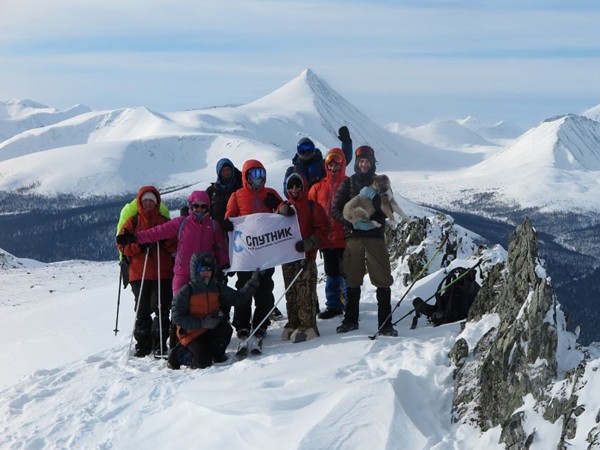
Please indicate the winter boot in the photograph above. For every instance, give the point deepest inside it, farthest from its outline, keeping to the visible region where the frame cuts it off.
(143, 339)
(173, 361)
(384, 312)
(350, 321)
(160, 351)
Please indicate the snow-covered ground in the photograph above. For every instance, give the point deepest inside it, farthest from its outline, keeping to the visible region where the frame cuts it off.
(67, 382)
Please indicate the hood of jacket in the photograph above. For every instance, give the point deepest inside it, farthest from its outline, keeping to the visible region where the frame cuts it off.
(201, 258)
(251, 164)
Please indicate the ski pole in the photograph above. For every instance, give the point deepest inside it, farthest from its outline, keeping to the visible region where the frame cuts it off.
(160, 323)
(439, 249)
(116, 330)
(274, 306)
(441, 291)
(137, 303)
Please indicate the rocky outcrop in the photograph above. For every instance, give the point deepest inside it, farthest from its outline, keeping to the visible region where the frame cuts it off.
(516, 358)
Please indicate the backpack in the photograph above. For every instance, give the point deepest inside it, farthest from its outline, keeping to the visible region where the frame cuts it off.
(453, 299)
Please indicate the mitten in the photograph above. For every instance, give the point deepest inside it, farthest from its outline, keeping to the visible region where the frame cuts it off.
(228, 225)
(363, 225)
(368, 192)
(184, 211)
(286, 210)
(271, 201)
(128, 237)
(344, 134)
(305, 245)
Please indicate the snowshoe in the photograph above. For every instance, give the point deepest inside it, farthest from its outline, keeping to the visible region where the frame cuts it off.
(255, 345)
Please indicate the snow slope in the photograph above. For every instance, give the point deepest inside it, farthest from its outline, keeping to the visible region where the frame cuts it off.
(67, 381)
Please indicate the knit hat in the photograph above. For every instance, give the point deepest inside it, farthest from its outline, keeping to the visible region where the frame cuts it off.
(149, 196)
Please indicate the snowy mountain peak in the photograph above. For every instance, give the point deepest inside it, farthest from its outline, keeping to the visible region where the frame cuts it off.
(593, 113)
(567, 142)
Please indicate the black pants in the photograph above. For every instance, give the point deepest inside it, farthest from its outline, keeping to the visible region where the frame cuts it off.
(263, 301)
(332, 261)
(210, 346)
(147, 330)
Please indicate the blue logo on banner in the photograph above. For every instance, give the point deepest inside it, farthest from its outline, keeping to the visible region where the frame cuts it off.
(237, 242)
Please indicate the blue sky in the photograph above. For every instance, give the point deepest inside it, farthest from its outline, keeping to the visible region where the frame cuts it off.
(403, 61)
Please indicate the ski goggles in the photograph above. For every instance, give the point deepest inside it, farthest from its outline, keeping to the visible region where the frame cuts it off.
(305, 147)
(333, 158)
(365, 151)
(257, 172)
(205, 269)
(200, 206)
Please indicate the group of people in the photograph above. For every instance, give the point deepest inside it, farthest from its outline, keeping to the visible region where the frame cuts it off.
(193, 286)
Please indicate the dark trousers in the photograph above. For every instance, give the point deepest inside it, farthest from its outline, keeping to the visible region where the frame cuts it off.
(210, 346)
(263, 302)
(147, 330)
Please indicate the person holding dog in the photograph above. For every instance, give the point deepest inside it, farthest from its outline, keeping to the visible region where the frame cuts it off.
(364, 242)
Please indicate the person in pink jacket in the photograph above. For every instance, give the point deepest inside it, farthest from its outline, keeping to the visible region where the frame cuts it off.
(196, 232)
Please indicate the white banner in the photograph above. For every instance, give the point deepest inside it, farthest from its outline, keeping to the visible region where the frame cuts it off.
(263, 240)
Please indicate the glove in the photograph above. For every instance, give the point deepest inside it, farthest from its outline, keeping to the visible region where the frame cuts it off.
(271, 201)
(368, 192)
(305, 245)
(254, 281)
(128, 237)
(184, 211)
(210, 322)
(344, 134)
(286, 210)
(363, 225)
(228, 225)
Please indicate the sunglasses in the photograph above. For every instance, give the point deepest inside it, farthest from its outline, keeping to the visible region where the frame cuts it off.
(257, 172)
(201, 206)
(204, 269)
(294, 186)
(364, 152)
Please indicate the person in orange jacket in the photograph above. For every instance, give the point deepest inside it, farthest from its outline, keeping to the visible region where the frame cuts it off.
(253, 197)
(146, 329)
(332, 247)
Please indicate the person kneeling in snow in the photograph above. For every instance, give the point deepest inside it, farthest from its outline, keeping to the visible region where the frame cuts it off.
(202, 332)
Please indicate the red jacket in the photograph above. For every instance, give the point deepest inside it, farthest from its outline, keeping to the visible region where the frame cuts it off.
(323, 193)
(312, 220)
(248, 200)
(146, 220)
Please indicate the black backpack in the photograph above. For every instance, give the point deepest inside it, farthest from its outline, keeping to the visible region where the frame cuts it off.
(453, 299)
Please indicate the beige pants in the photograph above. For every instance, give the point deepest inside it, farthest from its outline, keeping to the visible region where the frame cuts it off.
(370, 254)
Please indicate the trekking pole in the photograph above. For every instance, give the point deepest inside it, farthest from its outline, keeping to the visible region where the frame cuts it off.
(116, 330)
(137, 303)
(441, 291)
(273, 308)
(160, 323)
(439, 249)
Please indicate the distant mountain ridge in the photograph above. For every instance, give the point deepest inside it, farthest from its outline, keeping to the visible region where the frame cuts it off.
(171, 149)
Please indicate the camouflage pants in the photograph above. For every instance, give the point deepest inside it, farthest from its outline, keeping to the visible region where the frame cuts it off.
(301, 300)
